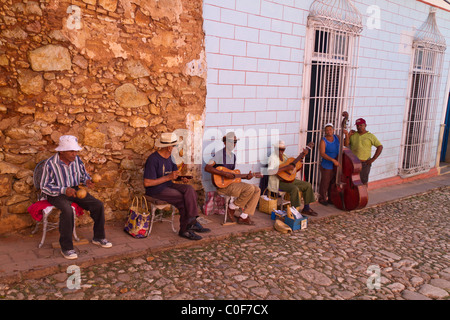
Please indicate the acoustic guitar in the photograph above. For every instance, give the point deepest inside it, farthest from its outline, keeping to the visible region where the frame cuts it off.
(222, 182)
(289, 175)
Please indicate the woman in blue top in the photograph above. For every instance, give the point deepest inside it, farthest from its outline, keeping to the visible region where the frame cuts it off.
(329, 151)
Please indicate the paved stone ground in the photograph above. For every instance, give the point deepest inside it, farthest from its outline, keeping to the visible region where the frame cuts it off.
(397, 250)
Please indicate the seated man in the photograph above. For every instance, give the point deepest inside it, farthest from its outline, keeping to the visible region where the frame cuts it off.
(61, 176)
(246, 195)
(160, 172)
(276, 165)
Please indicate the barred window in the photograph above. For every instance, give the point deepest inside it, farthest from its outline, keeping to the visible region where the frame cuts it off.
(420, 118)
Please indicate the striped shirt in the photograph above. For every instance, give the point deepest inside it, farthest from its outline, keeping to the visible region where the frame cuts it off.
(58, 176)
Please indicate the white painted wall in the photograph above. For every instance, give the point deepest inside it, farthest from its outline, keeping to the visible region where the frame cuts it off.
(255, 57)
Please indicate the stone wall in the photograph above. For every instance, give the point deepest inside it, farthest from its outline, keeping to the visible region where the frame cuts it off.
(114, 73)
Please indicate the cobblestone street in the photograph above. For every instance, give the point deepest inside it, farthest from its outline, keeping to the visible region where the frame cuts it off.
(397, 250)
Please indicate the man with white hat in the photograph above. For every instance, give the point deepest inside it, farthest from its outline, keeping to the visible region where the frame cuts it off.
(277, 164)
(62, 174)
(159, 173)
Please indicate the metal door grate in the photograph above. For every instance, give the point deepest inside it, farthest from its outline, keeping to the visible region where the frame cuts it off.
(330, 74)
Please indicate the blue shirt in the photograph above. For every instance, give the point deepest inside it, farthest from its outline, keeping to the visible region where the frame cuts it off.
(156, 167)
(331, 150)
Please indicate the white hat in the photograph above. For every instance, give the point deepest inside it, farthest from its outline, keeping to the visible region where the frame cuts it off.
(329, 125)
(68, 143)
(167, 139)
(279, 145)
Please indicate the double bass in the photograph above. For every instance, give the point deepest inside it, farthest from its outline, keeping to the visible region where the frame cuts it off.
(349, 193)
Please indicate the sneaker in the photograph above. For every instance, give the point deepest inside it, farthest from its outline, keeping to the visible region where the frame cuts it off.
(69, 254)
(190, 235)
(102, 243)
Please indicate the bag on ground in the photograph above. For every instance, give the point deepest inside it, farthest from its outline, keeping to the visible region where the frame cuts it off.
(139, 218)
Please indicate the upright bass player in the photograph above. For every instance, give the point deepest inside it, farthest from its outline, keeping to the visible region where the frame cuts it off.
(348, 193)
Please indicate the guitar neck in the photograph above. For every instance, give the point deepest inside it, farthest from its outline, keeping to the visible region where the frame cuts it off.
(300, 157)
(240, 175)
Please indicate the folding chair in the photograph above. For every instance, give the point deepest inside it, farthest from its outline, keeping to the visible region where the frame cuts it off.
(227, 202)
(156, 204)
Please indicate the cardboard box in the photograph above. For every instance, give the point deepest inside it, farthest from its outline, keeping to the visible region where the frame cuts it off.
(296, 224)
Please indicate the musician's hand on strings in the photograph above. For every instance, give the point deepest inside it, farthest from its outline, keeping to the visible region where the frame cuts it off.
(289, 167)
(305, 151)
(249, 175)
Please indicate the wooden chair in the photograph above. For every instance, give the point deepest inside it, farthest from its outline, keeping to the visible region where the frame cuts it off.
(282, 201)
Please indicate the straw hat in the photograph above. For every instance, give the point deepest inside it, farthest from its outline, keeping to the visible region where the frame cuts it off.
(167, 139)
(280, 145)
(68, 143)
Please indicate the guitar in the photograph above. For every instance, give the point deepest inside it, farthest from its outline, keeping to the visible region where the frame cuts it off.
(289, 176)
(222, 182)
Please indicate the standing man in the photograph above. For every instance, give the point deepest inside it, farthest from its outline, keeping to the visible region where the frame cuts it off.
(159, 174)
(62, 175)
(361, 142)
(246, 195)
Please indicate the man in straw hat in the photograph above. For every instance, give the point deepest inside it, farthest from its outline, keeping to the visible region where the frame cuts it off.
(245, 195)
(159, 174)
(277, 164)
(361, 142)
(62, 174)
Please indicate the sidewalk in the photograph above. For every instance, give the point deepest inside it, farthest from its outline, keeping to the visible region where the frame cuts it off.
(20, 258)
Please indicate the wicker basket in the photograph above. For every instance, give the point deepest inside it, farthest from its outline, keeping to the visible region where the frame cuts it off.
(267, 206)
